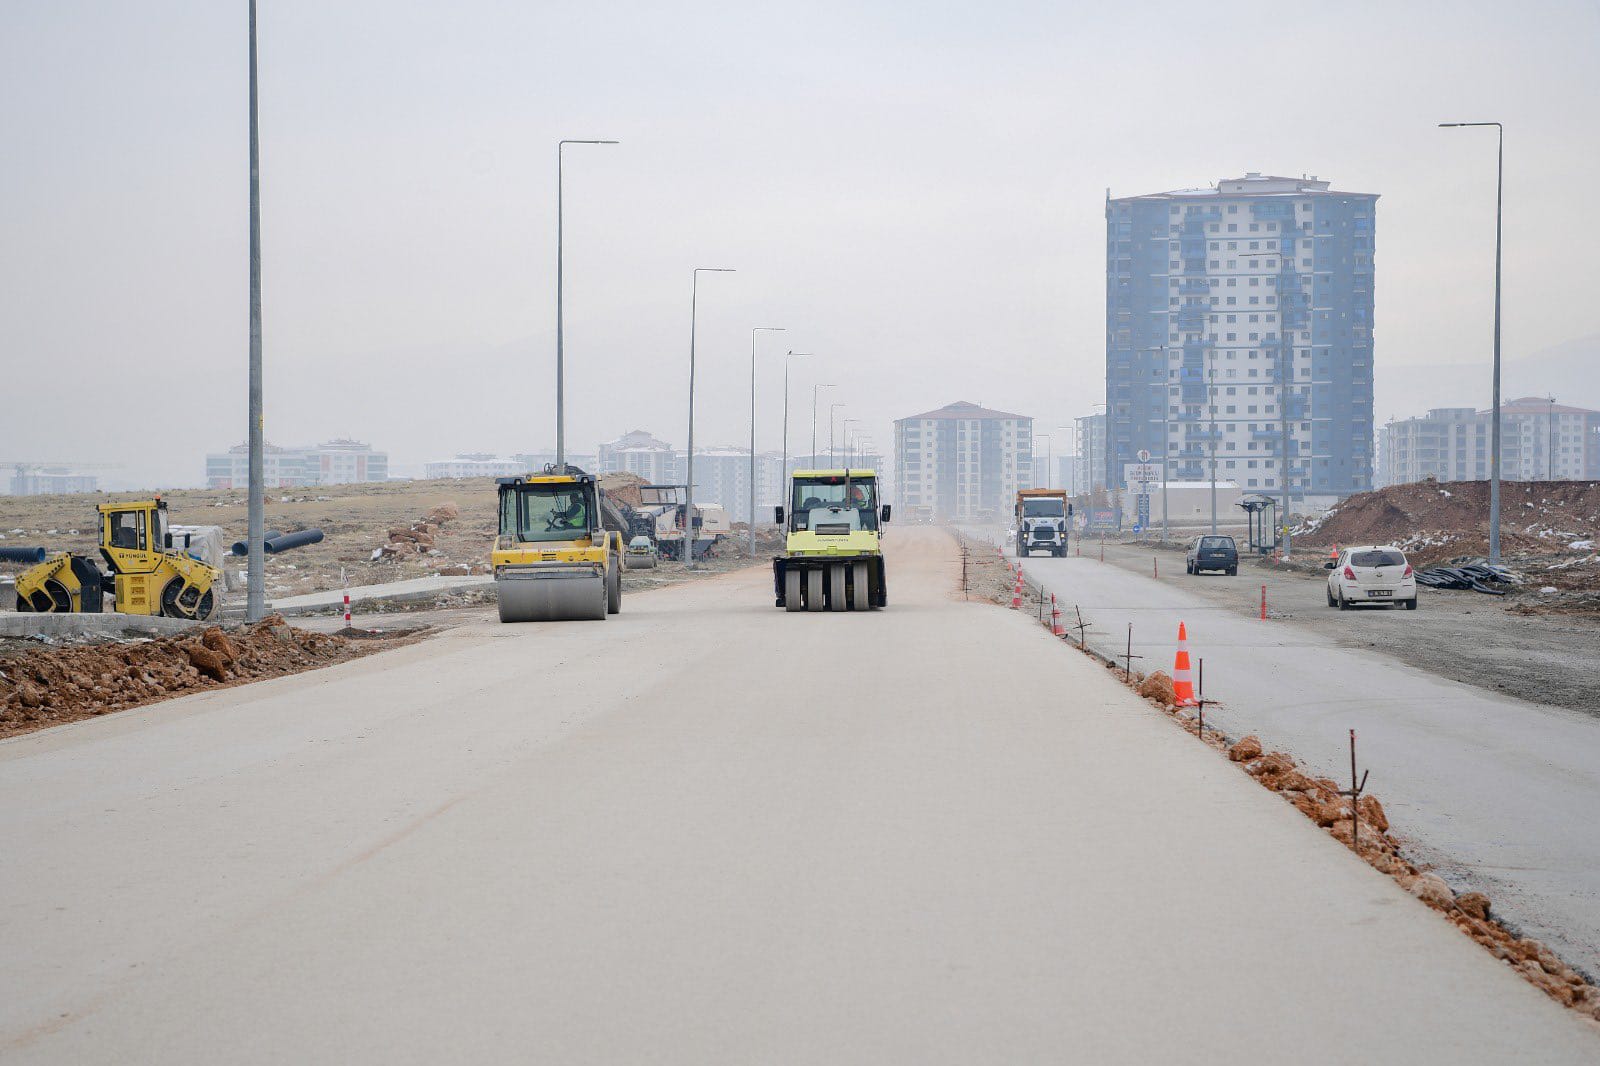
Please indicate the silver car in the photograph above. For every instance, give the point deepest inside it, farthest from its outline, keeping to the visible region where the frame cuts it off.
(1371, 573)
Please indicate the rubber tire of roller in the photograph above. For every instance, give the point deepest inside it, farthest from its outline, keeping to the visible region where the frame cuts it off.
(861, 594)
(836, 598)
(813, 590)
(614, 587)
(791, 591)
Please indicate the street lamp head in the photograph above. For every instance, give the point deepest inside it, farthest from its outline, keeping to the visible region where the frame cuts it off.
(571, 141)
(1448, 125)
(769, 329)
(716, 270)
(798, 355)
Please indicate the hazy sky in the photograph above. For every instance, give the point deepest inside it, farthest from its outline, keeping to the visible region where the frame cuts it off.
(914, 189)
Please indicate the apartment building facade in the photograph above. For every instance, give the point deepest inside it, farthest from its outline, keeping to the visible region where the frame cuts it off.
(962, 461)
(334, 462)
(1540, 440)
(1240, 316)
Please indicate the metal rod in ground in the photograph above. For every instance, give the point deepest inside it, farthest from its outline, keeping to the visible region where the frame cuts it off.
(1127, 671)
(1356, 788)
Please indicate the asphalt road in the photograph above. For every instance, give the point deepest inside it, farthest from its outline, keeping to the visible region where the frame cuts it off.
(706, 831)
(1499, 793)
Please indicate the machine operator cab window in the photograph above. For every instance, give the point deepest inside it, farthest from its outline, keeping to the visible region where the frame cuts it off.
(827, 502)
(127, 530)
(544, 512)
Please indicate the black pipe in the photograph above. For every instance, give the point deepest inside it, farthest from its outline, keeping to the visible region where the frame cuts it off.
(242, 548)
(22, 555)
(285, 541)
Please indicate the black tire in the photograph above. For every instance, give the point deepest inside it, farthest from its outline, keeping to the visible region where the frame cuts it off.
(1233, 571)
(60, 598)
(1344, 604)
(860, 587)
(793, 600)
(836, 590)
(207, 607)
(814, 590)
(1411, 604)
(614, 586)
(1331, 601)
(1188, 567)
(23, 606)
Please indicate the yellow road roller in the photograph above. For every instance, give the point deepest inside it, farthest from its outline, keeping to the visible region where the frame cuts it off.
(554, 560)
(148, 575)
(833, 554)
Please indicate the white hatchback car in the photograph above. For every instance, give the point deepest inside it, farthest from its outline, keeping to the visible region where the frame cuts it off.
(1371, 573)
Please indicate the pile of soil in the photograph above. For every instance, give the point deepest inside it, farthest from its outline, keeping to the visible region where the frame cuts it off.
(51, 686)
(623, 487)
(1436, 521)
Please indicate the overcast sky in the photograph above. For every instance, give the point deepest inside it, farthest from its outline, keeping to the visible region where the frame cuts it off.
(914, 189)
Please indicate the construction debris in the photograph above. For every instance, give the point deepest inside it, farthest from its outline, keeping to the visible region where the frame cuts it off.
(41, 687)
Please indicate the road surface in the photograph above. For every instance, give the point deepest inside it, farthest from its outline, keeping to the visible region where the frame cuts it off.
(1495, 791)
(707, 831)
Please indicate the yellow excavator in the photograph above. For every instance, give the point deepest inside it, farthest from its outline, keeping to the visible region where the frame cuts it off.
(554, 558)
(148, 576)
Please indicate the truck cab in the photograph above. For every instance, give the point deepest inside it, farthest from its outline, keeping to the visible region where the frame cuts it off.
(1043, 521)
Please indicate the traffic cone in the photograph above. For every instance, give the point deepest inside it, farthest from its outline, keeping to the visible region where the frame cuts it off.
(1016, 592)
(1182, 676)
(1055, 617)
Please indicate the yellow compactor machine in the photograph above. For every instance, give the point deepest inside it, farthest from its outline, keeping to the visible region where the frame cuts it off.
(554, 560)
(833, 554)
(148, 576)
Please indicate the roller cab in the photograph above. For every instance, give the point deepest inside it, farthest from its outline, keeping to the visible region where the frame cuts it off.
(833, 555)
(553, 559)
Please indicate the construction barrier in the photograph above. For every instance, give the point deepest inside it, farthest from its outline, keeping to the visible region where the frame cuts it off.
(1182, 675)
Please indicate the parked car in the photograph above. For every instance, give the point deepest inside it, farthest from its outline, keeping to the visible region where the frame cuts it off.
(1371, 573)
(641, 554)
(1212, 553)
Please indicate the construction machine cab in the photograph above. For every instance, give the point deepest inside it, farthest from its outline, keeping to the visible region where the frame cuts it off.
(548, 509)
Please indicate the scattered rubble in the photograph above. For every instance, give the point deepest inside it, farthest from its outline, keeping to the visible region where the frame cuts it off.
(50, 686)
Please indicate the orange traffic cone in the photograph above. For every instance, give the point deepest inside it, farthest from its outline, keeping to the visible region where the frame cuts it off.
(1182, 676)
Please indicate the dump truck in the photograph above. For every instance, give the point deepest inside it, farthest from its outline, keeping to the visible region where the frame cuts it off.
(1043, 520)
(147, 574)
(555, 559)
(833, 555)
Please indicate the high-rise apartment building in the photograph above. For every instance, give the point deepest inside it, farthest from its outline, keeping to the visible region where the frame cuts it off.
(1089, 472)
(638, 452)
(1248, 307)
(962, 461)
(1540, 440)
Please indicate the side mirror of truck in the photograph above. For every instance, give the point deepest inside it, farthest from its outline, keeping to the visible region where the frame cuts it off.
(778, 511)
(1329, 565)
(886, 507)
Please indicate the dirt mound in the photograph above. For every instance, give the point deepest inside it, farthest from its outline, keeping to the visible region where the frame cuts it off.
(623, 487)
(56, 685)
(1435, 521)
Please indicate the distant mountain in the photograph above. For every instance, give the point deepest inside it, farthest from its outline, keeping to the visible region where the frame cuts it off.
(1569, 371)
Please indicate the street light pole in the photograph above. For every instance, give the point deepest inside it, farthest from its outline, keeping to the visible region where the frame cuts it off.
(561, 365)
(255, 582)
(1211, 404)
(832, 407)
(814, 389)
(1494, 458)
(844, 427)
(688, 492)
(753, 332)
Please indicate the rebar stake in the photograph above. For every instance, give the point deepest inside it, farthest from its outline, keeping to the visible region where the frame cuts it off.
(1354, 792)
(1127, 671)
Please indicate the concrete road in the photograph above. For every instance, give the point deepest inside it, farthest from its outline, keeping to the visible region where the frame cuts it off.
(708, 832)
(1495, 791)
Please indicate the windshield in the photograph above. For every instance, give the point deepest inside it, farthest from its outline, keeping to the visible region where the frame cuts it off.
(827, 497)
(1378, 558)
(1043, 508)
(544, 512)
(1217, 542)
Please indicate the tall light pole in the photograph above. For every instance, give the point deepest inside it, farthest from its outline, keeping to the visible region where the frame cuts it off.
(783, 479)
(832, 407)
(844, 429)
(1049, 456)
(688, 492)
(1494, 448)
(1166, 431)
(753, 332)
(561, 366)
(814, 389)
(255, 582)
(1550, 442)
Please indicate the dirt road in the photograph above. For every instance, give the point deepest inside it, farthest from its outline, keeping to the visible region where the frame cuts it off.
(708, 831)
